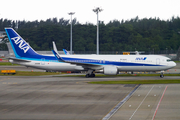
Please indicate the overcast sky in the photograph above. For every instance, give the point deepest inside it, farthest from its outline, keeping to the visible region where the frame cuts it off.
(31, 10)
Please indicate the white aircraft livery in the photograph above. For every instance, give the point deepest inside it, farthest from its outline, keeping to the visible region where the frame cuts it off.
(109, 64)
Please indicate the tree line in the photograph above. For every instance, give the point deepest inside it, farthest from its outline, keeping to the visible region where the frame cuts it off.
(136, 34)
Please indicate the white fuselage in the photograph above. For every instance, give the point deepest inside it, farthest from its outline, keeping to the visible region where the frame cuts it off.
(122, 62)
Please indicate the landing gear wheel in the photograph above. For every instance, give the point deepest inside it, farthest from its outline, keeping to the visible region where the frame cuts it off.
(92, 75)
(162, 76)
(87, 75)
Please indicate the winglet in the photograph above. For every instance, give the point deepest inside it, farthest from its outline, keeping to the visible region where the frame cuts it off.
(57, 56)
(66, 52)
(54, 47)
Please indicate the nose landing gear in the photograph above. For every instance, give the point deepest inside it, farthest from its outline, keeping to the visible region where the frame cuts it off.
(162, 74)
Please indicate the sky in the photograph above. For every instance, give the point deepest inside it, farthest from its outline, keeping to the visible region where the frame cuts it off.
(31, 10)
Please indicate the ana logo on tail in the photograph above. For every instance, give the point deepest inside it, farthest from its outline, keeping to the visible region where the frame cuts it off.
(22, 44)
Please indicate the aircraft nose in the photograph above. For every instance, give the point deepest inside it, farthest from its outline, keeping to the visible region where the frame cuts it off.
(173, 64)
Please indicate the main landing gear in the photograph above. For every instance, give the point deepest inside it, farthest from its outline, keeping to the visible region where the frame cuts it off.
(90, 74)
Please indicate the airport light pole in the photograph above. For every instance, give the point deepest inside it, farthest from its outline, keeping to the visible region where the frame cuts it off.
(71, 13)
(97, 10)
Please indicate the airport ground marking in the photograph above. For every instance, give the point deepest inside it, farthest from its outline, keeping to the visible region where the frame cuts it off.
(9, 83)
(159, 104)
(4, 79)
(163, 81)
(141, 103)
(116, 108)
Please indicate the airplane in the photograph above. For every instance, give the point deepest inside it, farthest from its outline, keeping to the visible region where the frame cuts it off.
(110, 64)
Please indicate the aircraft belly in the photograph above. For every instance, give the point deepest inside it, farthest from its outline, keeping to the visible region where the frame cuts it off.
(59, 67)
(142, 68)
(51, 66)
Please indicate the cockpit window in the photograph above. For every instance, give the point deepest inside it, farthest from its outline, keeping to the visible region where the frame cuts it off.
(168, 60)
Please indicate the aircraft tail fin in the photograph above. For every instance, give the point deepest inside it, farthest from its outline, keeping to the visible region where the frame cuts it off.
(66, 52)
(20, 47)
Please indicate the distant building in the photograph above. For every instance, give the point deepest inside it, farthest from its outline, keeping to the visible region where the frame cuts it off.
(2, 35)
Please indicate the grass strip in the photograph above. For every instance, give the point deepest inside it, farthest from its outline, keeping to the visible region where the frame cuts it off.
(137, 82)
(28, 73)
(8, 64)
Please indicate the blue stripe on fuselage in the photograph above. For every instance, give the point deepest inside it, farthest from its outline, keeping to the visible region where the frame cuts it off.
(95, 62)
(104, 62)
(88, 61)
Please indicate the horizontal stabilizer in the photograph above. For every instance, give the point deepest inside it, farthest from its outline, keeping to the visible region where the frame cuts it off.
(20, 60)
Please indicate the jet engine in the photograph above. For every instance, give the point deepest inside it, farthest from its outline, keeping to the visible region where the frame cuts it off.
(110, 70)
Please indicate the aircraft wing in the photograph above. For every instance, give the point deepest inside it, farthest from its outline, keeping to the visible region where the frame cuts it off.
(84, 65)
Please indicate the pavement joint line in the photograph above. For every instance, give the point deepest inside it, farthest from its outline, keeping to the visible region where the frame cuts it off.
(141, 102)
(159, 103)
(116, 108)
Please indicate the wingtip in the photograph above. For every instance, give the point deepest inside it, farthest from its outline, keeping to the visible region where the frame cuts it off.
(8, 28)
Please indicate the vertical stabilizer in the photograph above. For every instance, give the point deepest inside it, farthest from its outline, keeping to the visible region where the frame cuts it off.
(20, 47)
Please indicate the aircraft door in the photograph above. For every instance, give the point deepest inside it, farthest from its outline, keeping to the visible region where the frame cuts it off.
(42, 61)
(157, 61)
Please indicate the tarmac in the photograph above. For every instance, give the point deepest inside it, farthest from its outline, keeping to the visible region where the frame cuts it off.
(151, 102)
(72, 98)
(47, 97)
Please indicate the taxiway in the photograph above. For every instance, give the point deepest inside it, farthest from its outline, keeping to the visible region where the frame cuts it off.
(47, 97)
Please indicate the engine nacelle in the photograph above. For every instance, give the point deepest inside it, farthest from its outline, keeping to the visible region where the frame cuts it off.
(110, 70)
(11, 61)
